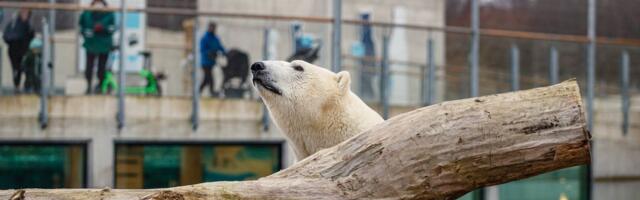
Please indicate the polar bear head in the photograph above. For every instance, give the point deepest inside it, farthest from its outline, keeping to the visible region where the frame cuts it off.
(312, 106)
(299, 84)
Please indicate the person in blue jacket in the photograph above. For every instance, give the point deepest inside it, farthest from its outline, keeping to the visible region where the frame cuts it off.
(210, 47)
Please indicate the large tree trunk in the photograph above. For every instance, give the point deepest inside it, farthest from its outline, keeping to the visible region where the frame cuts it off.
(437, 152)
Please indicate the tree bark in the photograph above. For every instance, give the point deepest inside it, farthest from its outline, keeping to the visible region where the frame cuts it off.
(437, 152)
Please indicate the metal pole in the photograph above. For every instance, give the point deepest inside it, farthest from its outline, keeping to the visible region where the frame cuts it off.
(44, 80)
(625, 91)
(336, 53)
(384, 77)
(266, 55)
(52, 26)
(293, 33)
(475, 44)
(195, 97)
(591, 59)
(1, 67)
(515, 67)
(78, 44)
(591, 78)
(121, 75)
(432, 73)
(553, 65)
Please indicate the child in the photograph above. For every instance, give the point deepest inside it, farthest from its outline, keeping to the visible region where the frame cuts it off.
(32, 65)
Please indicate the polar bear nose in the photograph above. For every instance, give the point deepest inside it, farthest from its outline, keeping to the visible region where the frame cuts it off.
(258, 66)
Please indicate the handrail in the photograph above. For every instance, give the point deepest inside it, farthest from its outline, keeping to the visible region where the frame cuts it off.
(321, 19)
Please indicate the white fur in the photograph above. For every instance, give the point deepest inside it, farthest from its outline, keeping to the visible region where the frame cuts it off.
(317, 109)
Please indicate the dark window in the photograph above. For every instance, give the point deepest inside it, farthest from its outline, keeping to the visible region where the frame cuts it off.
(42, 165)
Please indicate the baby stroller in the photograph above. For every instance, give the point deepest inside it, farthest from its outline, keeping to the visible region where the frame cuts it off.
(307, 50)
(237, 67)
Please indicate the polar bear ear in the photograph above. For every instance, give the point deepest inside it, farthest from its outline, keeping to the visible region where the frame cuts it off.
(344, 81)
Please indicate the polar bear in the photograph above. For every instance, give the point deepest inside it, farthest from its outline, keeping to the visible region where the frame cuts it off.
(311, 105)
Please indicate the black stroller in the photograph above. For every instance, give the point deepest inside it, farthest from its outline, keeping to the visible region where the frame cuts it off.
(309, 55)
(237, 67)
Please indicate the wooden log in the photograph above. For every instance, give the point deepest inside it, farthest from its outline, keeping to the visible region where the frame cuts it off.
(437, 152)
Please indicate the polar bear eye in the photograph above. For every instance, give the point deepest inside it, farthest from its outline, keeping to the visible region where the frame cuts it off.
(298, 68)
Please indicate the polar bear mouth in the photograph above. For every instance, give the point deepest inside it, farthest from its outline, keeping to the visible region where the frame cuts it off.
(268, 85)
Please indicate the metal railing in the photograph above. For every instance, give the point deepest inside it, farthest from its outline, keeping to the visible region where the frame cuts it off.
(428, 68)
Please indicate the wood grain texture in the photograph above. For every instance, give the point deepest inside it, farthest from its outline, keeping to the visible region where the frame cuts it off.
(437, 152)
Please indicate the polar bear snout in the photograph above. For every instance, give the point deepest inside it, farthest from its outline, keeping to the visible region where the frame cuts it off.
(259, 72)
(257, 66)
(263, 80)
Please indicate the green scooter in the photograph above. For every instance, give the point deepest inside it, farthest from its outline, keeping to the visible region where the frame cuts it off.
(152, 86)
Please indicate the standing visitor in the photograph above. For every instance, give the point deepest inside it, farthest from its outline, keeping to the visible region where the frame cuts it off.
(18, 34)
(210, 46)
(97, 28)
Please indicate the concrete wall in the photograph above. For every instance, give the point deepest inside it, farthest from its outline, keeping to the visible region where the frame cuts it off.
(616, 160)
(92, 118)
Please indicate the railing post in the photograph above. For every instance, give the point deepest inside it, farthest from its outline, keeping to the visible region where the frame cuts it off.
(120, 116)
(625, 91)
(554, 70)
(431, 66)
(1, 68)
(475, 45)
(515, 67)
(195, 93)
(591, 59)
(384, 77)
(52, 32)
(591, 79)
(43, 118)
(266, 55)
(336, 54)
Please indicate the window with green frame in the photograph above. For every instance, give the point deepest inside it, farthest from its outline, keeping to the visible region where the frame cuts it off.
(156, 165)
(42, 165)
(564, 184)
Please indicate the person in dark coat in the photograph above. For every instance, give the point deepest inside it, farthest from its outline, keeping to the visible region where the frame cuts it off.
(18, 34)
(210, 47)
(97, 28)
(32, 66)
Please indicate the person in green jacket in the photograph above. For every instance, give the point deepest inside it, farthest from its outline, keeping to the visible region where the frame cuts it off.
(97, 28)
